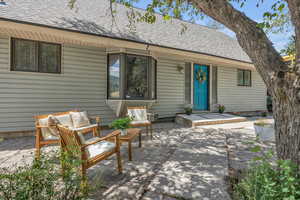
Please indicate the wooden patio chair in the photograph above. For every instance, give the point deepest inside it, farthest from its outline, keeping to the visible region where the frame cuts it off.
(90, 151)
(46, 134)
(141, 118)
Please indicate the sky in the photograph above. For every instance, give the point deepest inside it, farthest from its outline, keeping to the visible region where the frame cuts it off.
(279, 40)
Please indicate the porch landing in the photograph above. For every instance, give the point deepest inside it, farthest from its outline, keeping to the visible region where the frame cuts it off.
(207, 119)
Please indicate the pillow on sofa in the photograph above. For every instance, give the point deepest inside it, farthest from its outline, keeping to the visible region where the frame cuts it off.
(47, 132)
(52, 122)
(80, 119)
(65, 120)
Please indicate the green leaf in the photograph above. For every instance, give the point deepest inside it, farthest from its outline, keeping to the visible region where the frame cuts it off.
(285, 190)
(257, 158)
(281, 7)
(167, 17)
(255, 149)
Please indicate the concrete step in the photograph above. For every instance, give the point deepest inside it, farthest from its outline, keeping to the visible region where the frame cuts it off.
(207, 119)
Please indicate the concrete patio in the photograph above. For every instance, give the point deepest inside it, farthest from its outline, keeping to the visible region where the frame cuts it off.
(180, 163)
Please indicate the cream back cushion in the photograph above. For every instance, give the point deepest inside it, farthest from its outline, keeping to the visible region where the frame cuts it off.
(138, 114)
(65, 120)
(81, 137)
(80, 119)
(47, 133)
(52, 122)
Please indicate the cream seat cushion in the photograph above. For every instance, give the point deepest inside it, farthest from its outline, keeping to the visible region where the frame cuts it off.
(80, 119)
(99, 148)
(140, 122)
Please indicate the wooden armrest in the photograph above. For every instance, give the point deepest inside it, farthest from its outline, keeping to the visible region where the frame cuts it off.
(113, 134)
(39, 126)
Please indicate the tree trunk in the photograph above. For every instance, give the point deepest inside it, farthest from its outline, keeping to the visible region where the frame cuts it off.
(281, 81)
(287, 124)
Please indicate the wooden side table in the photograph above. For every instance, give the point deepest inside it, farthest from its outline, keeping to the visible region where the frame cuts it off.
(132, 133)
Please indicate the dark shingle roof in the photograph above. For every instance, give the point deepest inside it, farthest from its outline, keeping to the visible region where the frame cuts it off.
(93, 16)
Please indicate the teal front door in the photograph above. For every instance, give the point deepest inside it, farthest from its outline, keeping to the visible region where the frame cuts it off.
(201, 75)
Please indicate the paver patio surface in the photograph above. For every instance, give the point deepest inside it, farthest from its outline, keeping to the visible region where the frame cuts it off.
(179, 163)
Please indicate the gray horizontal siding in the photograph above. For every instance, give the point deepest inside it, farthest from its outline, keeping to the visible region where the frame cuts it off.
(240, 98)
(170, 88)
(81, 85)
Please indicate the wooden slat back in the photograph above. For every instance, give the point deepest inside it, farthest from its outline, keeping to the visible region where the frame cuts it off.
(37, 117)
(69, 138)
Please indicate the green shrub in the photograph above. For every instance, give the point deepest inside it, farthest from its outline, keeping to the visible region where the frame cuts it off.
(43, 180)
(122, 123)
(267, 181)
(188, 109)
(264, 114)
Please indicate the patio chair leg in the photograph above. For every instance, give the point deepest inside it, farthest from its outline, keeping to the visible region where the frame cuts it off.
(151, 131)
(83, 173)
(119, 162)
(37, 150)
(96, 132)
(147, 130)
(37, 146)
(62, 158)
(129, 151)
(83, 179)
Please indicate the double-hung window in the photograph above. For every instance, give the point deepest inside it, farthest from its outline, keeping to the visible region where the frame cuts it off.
(35, 56)
(131, 77)
(244, 77)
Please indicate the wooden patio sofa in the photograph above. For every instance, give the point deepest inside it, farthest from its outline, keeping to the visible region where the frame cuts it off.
(45, 134)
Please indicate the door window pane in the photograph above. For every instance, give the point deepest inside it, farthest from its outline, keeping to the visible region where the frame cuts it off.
(49, 58)
(137, 79)
(114, 76)
(24, 55)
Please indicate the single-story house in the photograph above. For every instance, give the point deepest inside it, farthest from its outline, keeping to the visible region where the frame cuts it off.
(54, 58)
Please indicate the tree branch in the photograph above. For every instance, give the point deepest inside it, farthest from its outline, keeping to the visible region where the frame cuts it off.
(252, 39)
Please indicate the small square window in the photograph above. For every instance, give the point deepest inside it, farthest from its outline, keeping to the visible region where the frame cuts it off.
(243, 77)
(34, 56)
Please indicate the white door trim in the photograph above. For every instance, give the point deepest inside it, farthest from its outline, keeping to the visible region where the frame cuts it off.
(192, 83)
(210, 87)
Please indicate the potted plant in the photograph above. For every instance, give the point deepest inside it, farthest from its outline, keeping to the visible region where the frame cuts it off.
(188, 109)
(221, 108)
(122, 124)
(264, 130)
